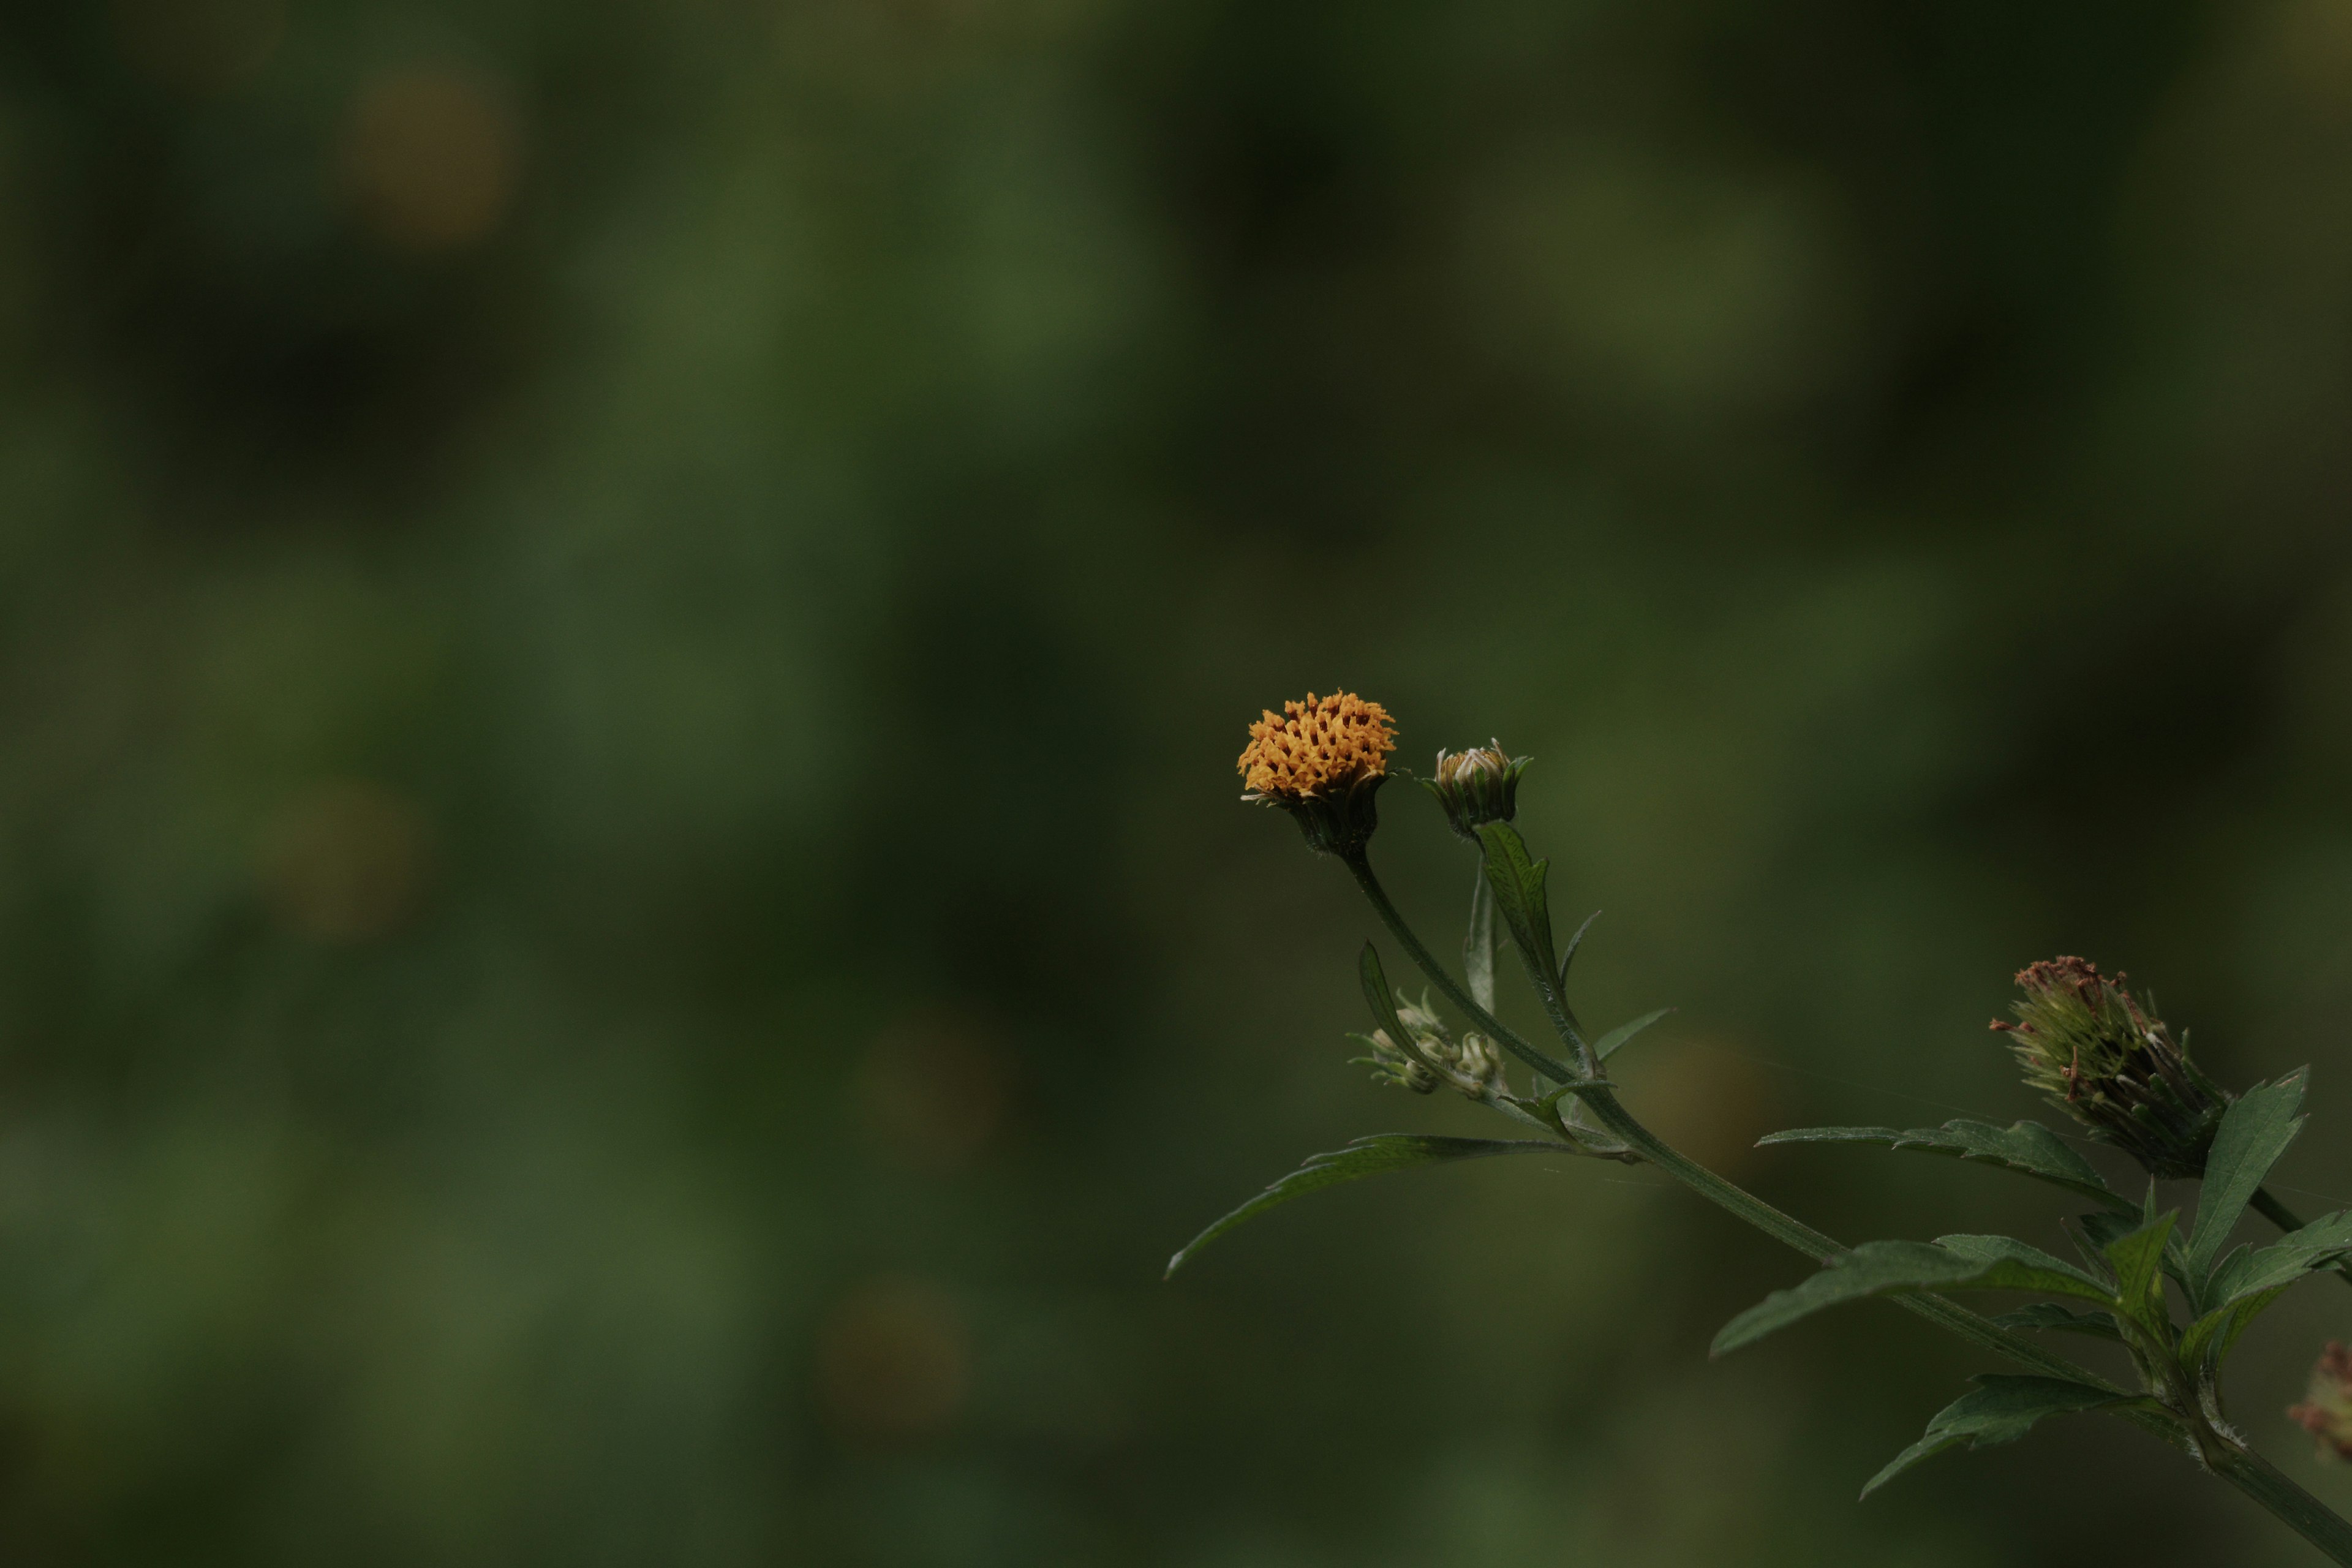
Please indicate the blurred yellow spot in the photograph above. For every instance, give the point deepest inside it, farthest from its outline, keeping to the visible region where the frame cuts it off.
(348, 863)
(1706, 1098)
(892, 1361)
(430, 157)
(198, 45)
(936, 1087)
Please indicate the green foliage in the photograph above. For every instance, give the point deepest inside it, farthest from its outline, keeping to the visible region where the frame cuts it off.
(1879, 1268)
(1478, 944)
(1364, 1157)
(1607, 1044)
(2064, 1320)
(2026, 1147)
(2002, 1410)
(2138, 1259)
(2254, 1131)
(1518, 881)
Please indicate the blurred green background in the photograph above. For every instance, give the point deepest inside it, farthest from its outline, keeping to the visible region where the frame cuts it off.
(625, 932)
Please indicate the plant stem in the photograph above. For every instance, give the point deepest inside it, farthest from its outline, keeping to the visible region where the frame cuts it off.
(1558, 1072)
(2243, 1469)
(1738, 1201)
(2279, 1214)
(2298, 1508)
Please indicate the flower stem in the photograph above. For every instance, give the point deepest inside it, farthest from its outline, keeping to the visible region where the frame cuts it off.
(1558, 1072)
(2243, 1469)
(2298, 1508)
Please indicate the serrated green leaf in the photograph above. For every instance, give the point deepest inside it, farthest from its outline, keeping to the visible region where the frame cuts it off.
(1364, 1157)
(2254, 1131)
(1518, 881)
(2003, 1410)
(2026, 1147)
(2139, 1262)
(1617, 1036)
(2064, 1320)
(2283, 1261)
(2027, 1267)
(1881, 1267)
(1478, 945)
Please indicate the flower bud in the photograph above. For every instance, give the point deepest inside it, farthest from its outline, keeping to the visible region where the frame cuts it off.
(1471, 1065)
(2103, 1056)
(1479, 785)
(1322, 760)
(2326, 1410)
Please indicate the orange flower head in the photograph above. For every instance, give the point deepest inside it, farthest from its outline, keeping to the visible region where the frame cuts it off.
(1322, 746)
(1322, 760)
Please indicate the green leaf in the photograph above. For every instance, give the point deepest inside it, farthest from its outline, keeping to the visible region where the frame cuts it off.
(2283, 1261)
(2026, 1147)
(1383, 1004)
(2254, 1131)
(2139, 1262)
(2064, 1320)
(1364, 1157)
(1881, 1267)
(1518, 885)
(1478, 945)
(1568, 955)
(2003, 1410)
(2211, 1338)
(1624, 1032)
(2027, 1267)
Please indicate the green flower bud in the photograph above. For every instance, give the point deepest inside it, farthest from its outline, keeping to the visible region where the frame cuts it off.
(1479, 785)
(2103, 1056)
(2327, 1409)
(1471, 1065)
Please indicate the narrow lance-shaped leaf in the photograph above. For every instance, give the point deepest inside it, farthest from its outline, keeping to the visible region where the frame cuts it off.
(1478, 944)
(1568, 953)
(2246, 1272)
(1607, 1045)
(2003, 1410)
(1364, 1157)
(1882, 1267)
(1518, 883)
(2254, 1131)
(2064, 1319)
(2139, 1262)
(2026, 1147)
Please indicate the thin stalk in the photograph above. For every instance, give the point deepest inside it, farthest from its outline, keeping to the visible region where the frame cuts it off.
(2298, 1508)
(1558, 1072)
(2279, 1214)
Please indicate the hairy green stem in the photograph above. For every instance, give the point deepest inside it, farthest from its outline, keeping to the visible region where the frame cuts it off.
(2298, 1508)
(2279, 1214)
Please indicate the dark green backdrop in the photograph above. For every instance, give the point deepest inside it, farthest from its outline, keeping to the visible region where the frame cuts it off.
(625, 935)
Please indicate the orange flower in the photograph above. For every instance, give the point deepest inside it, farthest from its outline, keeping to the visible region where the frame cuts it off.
(1319, 747)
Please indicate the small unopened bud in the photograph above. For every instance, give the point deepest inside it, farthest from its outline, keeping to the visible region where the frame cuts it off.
(2327, 1409)
(1323, 761)
(2103, 1056)
(1471, 1065)
(1476, 786)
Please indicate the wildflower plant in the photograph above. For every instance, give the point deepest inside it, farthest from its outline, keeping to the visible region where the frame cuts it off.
(2174, 1295)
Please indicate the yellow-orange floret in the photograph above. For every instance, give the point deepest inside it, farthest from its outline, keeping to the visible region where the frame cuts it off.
(1314, 747)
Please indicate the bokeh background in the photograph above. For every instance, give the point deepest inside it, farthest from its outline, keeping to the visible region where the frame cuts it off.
(625, 932)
